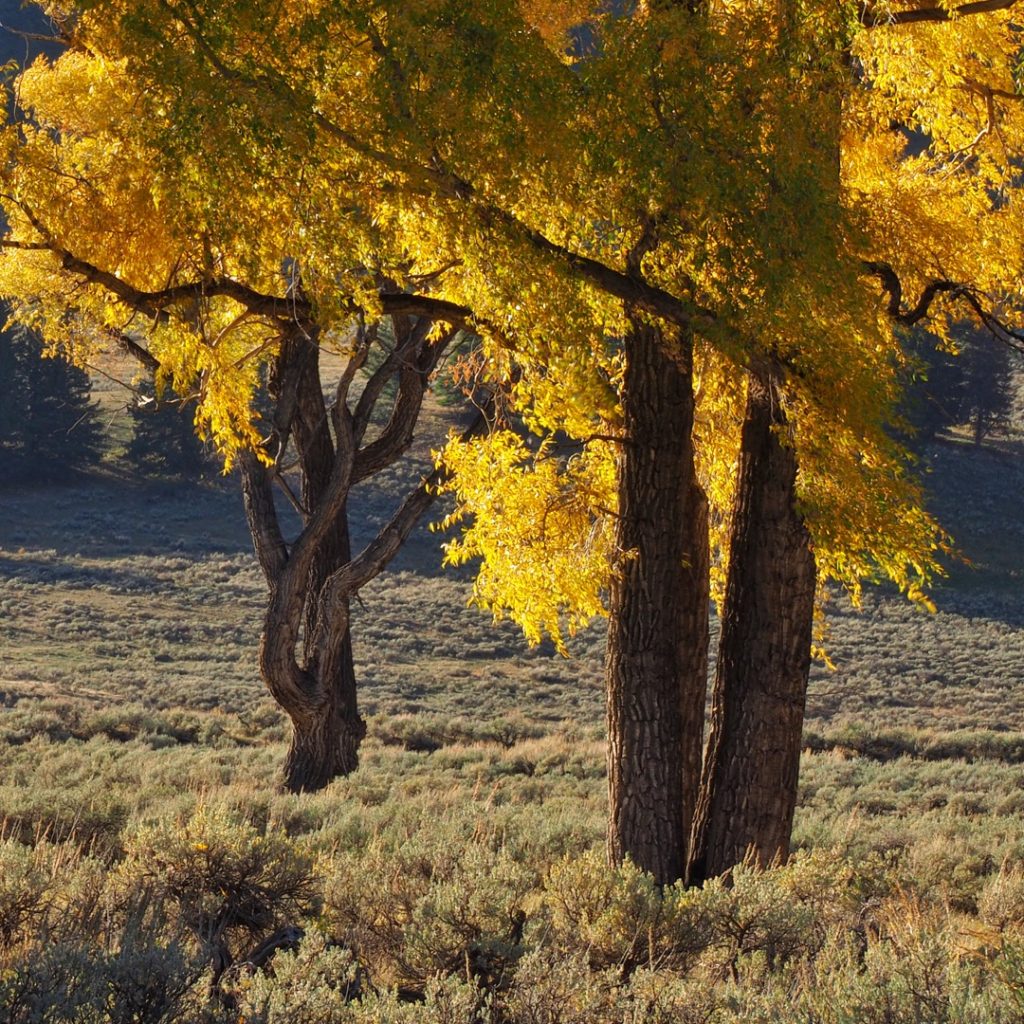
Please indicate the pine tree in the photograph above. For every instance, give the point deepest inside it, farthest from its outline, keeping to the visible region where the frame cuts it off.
(971, 386)
(933, 391)
(988, 384)
(48, 422)
(164, 442)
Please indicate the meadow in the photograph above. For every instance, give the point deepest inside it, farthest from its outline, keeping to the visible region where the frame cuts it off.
(151, 870)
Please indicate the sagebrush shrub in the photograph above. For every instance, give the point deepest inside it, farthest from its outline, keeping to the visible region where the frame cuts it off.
(312, 985)
(140, 982)
(438, 903)
(619, 917)
(219, 877)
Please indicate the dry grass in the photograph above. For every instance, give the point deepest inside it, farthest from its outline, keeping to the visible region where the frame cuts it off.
(129, 695)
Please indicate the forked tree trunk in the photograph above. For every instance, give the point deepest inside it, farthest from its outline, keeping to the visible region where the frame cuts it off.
(312, 580)
(325, 740)
(655, 664)
(749, 788)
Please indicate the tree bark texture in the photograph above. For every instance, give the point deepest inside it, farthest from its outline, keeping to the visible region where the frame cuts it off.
(656, 657)
(749, 785)
(312, 580)
(325, 740)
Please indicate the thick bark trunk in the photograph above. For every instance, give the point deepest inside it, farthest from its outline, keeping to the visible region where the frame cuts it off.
(325, 741)
(312, 580)
(655, 677)
(748, 793)
(325, 738)
(326, 727)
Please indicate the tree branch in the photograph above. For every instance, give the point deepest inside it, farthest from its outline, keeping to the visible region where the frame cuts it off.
(893, 287)
(286, 308)
(40, 37)
(131, 347)
(373, 559)
(397, 435)
(404, 351)
(264, 525)
(872, 16)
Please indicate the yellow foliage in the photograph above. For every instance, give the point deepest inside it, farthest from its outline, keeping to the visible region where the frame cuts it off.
(760, 153)
(541, 526)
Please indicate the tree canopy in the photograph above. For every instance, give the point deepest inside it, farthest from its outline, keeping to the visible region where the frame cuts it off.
(732, 209)
(753, 165)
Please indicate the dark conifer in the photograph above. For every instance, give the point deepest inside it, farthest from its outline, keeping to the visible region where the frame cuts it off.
(164, 442)
(48, 422)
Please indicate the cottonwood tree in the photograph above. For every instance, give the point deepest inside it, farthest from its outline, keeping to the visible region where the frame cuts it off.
(200, 283)
(715, 193)
(800, 476)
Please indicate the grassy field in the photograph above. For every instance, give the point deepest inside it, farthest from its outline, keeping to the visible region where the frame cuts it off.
(457, 875)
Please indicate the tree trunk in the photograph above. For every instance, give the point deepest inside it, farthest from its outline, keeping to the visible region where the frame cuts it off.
(313, 579)
(325, 739)
(655, 668)
(749, 788)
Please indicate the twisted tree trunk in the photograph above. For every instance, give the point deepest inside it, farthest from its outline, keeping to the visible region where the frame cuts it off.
(313, 579)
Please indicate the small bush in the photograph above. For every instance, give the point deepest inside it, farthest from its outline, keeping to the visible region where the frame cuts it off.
(1001, 902)
(312, 985)
(434, 905)
(621, 918)
(140, 982)
(222, 877)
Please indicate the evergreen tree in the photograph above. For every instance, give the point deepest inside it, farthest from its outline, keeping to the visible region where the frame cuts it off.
(12, 403)
(48, 422)
(988, 384)
(164, 442)
(933, 393)
(972, 387)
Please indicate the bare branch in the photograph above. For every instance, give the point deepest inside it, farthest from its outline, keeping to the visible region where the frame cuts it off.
(372, 560)
(282, 481)
(893, 287)
(132, 348)
(40, 37)
(404, 352)
(413, 377)
(268, 541)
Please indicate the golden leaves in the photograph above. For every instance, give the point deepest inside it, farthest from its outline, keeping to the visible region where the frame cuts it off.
(449, 148)
(540, 524)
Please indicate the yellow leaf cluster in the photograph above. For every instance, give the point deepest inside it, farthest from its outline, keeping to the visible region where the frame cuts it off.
(541, 528)
(746, 162)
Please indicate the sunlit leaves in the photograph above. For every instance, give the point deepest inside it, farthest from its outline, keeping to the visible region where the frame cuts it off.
(541, 526)
(748, 160)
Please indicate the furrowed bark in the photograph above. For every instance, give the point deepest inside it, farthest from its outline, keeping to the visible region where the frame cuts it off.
(749, 787)
(654, 676)
(316, 582)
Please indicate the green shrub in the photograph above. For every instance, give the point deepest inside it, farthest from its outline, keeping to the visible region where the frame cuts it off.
(25, 883)
(620, 918)
(434, 904)
(220, 878)
(312, 985)
(140, 982)
(552, 988)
